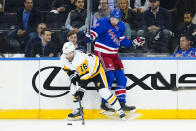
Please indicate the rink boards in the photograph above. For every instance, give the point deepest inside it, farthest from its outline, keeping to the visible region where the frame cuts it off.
(38, 88)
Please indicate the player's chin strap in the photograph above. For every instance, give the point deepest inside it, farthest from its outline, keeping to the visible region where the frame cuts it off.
(138, 42)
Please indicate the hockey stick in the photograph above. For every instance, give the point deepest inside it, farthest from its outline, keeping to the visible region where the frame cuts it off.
(89, 12)
(187, 88)
(81, 109)
(83, 122)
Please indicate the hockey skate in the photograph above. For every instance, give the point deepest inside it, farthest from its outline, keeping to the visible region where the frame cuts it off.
(121, 114)
(106, 110)
(75, 115)
(127, 108)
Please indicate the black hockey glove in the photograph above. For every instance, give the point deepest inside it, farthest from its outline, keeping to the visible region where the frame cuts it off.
(88, 38)
(74, 78)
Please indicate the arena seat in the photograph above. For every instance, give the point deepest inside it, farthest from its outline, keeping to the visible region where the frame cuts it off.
(11, 6)
(44, 5)
(8, 21)
(55, 21)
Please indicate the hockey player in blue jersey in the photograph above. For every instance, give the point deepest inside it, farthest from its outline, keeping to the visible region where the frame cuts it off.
(185, 48)
(109, 35)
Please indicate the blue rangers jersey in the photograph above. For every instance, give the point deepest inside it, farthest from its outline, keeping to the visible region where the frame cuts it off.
(109, 38)
(191, 52)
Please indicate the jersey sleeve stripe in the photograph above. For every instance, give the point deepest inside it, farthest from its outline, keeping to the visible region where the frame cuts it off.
(121, 38)
(66, 68)
(96, 72)
(93, 34)
(95, 66)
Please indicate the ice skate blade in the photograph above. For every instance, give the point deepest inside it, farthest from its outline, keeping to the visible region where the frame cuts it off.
(133, 111)
(123, 119)
(108, 113)
(74, 118)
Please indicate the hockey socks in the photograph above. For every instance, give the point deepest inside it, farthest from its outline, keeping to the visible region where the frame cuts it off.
(110, 98)
(121, 81)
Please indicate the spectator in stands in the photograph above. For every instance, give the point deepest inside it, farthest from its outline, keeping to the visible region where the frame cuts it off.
(45, 47)
(185, 48)
(188, 28)
(112, 4)
(72, 37)
(33, 40)
(183, 6)
(102, 12)
(95, 5)
(77, 19)
(28, 18)
(62, 6)
(156, 22)
(1, 6)
(130, 18)
(139, 6)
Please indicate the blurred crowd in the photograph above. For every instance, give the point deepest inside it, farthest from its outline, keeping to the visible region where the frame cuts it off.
(39, 28)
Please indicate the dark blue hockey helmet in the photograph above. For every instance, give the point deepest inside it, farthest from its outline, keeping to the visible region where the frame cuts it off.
(116, 13)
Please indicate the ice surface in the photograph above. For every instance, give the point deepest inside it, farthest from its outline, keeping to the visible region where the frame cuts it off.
(97, 125)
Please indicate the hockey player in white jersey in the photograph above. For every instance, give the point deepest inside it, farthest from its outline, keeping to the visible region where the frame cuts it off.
(84, 68)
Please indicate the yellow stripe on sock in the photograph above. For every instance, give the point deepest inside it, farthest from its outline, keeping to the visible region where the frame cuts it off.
(112, 99)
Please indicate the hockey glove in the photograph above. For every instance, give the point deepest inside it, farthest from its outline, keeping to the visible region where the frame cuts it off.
(88, 38)
(138, 42)
(74, 78)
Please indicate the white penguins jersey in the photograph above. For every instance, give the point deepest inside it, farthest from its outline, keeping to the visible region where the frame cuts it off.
(86, 65)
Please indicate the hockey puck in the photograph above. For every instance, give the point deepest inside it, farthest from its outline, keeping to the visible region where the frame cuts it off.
(69, 124)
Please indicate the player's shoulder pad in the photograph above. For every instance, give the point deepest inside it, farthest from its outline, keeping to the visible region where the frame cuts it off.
(80, 54)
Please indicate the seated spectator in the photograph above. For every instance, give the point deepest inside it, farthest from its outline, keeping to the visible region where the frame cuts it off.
(27, 20)
(32, 40)
(188, 28)
(156, 22)
(102, 12)
(185, 48)
(112, 4)
(72, 37)
(77, 19)
(45, 47)
(95, 5)
(130, 18)
(62, 6)
(1, 6)
(183, 6)
(139, 6)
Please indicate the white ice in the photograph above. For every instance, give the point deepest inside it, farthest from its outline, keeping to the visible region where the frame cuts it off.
(98, 125)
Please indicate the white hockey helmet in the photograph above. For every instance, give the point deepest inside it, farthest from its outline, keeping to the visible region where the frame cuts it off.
(68, 47)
